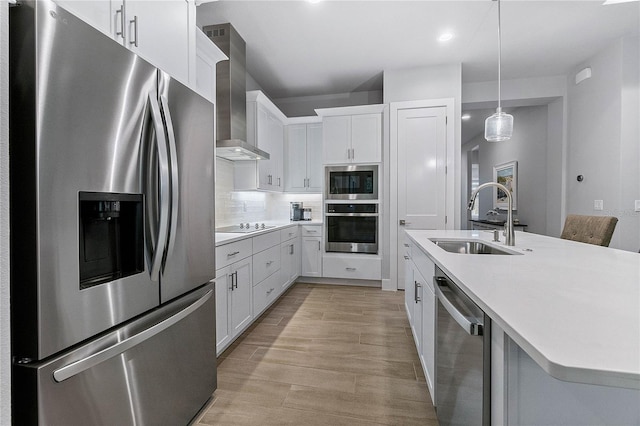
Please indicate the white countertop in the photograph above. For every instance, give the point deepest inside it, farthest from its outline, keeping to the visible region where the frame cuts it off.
(230, 237)
(573, 307)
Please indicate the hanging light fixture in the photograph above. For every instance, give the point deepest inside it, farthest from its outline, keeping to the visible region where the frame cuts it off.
(499, 126)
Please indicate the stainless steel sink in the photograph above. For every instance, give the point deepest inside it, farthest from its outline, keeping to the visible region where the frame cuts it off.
(469, 247)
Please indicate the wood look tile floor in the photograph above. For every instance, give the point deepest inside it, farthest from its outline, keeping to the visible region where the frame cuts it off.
(324, 355)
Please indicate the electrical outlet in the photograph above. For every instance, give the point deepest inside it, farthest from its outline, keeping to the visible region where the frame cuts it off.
(598, 204)
(637, 205)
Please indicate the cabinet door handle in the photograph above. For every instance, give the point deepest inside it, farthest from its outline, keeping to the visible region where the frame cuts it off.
(406, 245)
(312, 230)
(233, 254)
(350, 269)
(269, 291)
(269, 263)
(291, 251)
(135, 31)
(416, 285)
(318, 245)
(278, 182)
(353, 153)
(236, 274)
(406, 257)
(121, 12)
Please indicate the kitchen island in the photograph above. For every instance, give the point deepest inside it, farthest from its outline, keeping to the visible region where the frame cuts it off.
(571, 308)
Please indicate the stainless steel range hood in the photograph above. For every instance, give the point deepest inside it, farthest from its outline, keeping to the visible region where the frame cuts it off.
(231, 96)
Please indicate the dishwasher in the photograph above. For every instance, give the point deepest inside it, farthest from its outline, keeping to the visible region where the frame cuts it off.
(463, 357)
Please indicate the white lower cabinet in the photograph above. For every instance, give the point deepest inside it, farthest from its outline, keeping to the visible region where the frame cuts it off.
(290, 262)
(265, 293)
(311, 263)
(420, 303)
(352, 266)
(233, 301)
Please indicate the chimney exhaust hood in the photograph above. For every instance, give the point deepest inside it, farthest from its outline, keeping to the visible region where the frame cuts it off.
(231, 99)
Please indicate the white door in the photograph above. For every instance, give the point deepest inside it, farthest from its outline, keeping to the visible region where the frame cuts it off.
(366, 138)
(311, 257)
(421, 192)
(241, 300)
(159, 32)
(336, 139)
(223, 284)
(314, 157)
(296, 157)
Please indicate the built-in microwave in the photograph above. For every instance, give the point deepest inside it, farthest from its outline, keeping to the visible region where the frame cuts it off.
(351, 182)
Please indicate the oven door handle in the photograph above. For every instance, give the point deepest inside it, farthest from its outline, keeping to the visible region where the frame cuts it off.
(353, 214)
(471, 327)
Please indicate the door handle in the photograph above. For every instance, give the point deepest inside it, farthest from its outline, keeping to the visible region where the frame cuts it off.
(175, 183)
(121, 12)
(135, 31)
(163, 166)
(474, 328)
(99, 357)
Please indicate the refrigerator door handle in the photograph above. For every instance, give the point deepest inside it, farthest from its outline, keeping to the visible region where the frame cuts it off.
(175, 187)
(163, 166)
(84, 364)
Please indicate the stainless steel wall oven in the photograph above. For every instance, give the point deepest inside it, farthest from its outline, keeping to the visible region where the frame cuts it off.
(351, 182)
(352, 228)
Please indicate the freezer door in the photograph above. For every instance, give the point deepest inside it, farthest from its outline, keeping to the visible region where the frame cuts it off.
(158, 370)
(190, 259)
(78, 107)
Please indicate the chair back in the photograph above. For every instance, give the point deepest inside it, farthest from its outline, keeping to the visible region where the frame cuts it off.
(596, 230)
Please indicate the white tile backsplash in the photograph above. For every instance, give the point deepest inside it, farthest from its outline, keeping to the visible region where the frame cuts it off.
(233, 207)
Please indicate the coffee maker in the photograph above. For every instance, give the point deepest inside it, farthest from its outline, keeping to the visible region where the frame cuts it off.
(296, 211)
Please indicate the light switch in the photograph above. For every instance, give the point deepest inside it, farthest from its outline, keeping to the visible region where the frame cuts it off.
(598, 205)
(637, 205)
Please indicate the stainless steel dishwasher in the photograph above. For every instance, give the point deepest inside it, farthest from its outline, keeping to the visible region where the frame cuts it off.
(463, 357)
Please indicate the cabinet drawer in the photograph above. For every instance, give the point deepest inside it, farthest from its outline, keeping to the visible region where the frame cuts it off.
(232, 252)
(264, 241)
(357, 267)
(265, 293)
(311, 230)
(266, 263)
(288, 233)
(425, 265)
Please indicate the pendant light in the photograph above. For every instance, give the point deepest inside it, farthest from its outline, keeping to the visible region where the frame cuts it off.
(499, 126)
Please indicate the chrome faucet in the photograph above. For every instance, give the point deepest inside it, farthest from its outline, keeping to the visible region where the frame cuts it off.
(510, 233)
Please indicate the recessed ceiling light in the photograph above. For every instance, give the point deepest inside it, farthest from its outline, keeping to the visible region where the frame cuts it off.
(445, 37)
(237, 150)
(466, 116)
(314, 1)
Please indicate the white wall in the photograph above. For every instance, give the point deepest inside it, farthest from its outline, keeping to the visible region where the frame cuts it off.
(415, 84)
(5, 354)
(255, 206)
(603, 143)
(551, 92)
(528, 146)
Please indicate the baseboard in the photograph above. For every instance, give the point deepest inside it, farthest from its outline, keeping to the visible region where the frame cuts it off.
(340, 281)
(388, 285)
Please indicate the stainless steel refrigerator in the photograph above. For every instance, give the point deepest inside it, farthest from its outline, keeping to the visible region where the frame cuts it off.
(112, 221)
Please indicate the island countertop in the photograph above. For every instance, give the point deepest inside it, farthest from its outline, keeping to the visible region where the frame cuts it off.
(573, 307)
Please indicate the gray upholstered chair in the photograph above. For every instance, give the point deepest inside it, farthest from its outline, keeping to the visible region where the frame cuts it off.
(589, 229)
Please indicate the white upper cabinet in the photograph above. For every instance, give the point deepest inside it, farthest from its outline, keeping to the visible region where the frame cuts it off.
(162, 32)
(159, 32)
(207, 56)
(352, 134)
(303, 158)
(265, 129)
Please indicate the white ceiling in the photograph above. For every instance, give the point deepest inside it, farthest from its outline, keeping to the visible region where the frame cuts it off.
(296, 48)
